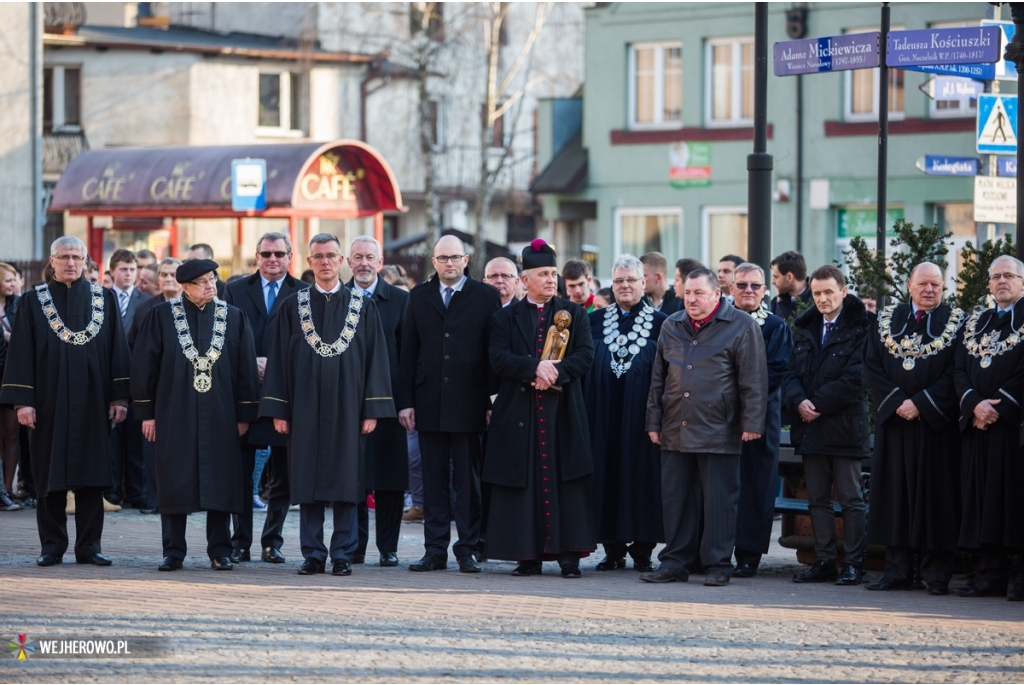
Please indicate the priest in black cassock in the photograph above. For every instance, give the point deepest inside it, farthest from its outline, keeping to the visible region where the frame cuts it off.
(915, 464)
(627, 465)
(759, 460)
(989, 379)
(67, 376)
(327, 382)
(195, 386)
(538, 458)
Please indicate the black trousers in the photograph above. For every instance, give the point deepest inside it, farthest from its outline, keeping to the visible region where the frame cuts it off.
(344, 539)
(994, 565)
(52, 522)
(936, 565)
(390, 507)
(127, 464)
(149, 457)
(242, 523)
(280, 498)
(638, 550)
(820, 473)
(218, 535)
(450, 460)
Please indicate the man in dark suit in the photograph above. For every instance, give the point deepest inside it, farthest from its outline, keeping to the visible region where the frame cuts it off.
(444, 395)
(126, 460)
(258, 297)
(658, 290)
(387, 448)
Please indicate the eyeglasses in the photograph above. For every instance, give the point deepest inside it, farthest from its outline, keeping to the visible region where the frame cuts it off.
(753, 286)
(1004, 277)
(267, 254)
(204, 282)
(69, 257)
(620, 281)
(454, 259)
(329, 257)
(500, 277)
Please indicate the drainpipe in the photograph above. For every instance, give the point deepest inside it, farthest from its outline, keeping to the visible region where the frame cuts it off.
(36, 124)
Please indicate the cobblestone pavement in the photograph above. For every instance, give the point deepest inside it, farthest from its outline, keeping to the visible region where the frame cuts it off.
(262, 622)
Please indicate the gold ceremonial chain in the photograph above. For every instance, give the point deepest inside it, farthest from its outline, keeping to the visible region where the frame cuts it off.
(910, 348)
(760, 314)
(57, 326)
(989, 345)
(202, 367)
(309, 330)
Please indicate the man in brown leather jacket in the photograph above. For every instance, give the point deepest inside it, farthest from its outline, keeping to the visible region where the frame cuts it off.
(709, 393)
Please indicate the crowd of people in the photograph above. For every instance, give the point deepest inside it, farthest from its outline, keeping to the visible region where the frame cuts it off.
(540, 412)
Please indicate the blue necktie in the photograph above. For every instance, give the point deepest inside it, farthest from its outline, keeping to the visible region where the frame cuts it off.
(447, 297)
(271, 297)
(829, 327)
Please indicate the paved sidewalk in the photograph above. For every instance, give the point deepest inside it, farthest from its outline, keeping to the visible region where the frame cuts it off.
(263, 622)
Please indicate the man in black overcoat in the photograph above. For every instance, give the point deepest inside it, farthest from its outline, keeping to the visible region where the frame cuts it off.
(259, 297)
(444, 395)
(539, 462)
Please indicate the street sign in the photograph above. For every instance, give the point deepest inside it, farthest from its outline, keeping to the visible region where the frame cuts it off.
(925, 47)
(248, 184)
(1007, 166)
(1004, 70)
(997, 124)
(830, 53)
(981, 72)
(995, 200)
(941, 165)
(952, 88)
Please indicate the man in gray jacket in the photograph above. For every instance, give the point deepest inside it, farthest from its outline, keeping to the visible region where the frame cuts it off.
(709, 393)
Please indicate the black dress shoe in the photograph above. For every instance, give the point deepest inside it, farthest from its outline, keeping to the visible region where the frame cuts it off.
(467, 564)
(358, 559)
(528, 568)
(937, 589)
(822, 572)
(147, 510)
(272, 555)
(94, 559)
(573, 571)
(429, 562)
(850, 575)
(341, 567)
(49, 560)
(644, 565)
(311, 567)
(388, 559)
(221, 564)
(745, 570)
(1016, 593)
(716, 577)
(239, 555)
(982, 588)
(169, 564)
(887, 584)
(610, 564)
(663, 575)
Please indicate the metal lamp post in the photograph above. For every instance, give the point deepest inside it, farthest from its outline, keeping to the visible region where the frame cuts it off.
(1015, 54)
(760, 163)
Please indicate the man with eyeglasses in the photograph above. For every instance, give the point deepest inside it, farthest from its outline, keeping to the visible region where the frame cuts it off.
(627, 465)
(989, 379)
(67, 376)
(259, 297)
(759, 460)
(204, 251)
(196, 390)
(503, 274)
(444, 395)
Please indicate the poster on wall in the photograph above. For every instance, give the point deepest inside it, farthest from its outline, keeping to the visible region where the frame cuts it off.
(689, 165)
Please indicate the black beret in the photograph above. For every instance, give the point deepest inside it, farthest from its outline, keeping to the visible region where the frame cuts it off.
(192, 269)
(538, 254)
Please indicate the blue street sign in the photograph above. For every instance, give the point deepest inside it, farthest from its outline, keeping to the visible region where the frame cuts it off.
(997, 124)
(952, 88)
(248, 184)
(941, 165)
(921, 47)
(1004, 70)
(1008, 166)
(830, 53)
(981, 72)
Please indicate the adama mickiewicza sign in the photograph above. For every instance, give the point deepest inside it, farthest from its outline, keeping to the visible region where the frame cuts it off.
(831, 53)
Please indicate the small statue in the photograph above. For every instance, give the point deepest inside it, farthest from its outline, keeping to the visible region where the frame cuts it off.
(557, 341)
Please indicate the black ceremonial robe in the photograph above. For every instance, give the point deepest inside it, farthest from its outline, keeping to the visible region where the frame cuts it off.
(915, 465)
(538, 445)
(70, 386)
(992, 466)
(326, 398)
(198, 458)
(627, 465)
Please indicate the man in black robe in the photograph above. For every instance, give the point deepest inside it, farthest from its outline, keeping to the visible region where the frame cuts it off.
(989, 379)
(326, 384)
(196, 389)
(538, 458)
(627, 465)
(67, 375)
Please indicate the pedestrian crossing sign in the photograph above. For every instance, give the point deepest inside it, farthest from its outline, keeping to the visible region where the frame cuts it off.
(997, 124)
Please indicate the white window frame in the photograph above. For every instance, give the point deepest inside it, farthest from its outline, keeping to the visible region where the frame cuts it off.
(659, 87)
(848, 114)
(960, 113)
(284, 130)
(735, 120)
(705, 230)
(621, 212)
(58, 98)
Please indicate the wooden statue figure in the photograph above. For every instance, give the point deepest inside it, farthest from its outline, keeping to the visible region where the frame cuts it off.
(557, 341)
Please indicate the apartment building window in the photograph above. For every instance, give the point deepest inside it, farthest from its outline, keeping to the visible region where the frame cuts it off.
(280, 101)
(861, 101)
(952, 108)
(724, 232)
(655, 85)
(730, 82)
(639, 230)
(62, 98)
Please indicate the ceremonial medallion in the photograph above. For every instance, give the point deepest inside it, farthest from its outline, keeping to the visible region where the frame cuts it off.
(911, 347)
(202, 366)
(57, 325)
(349, 332)
(990, 344)
(627, 345)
